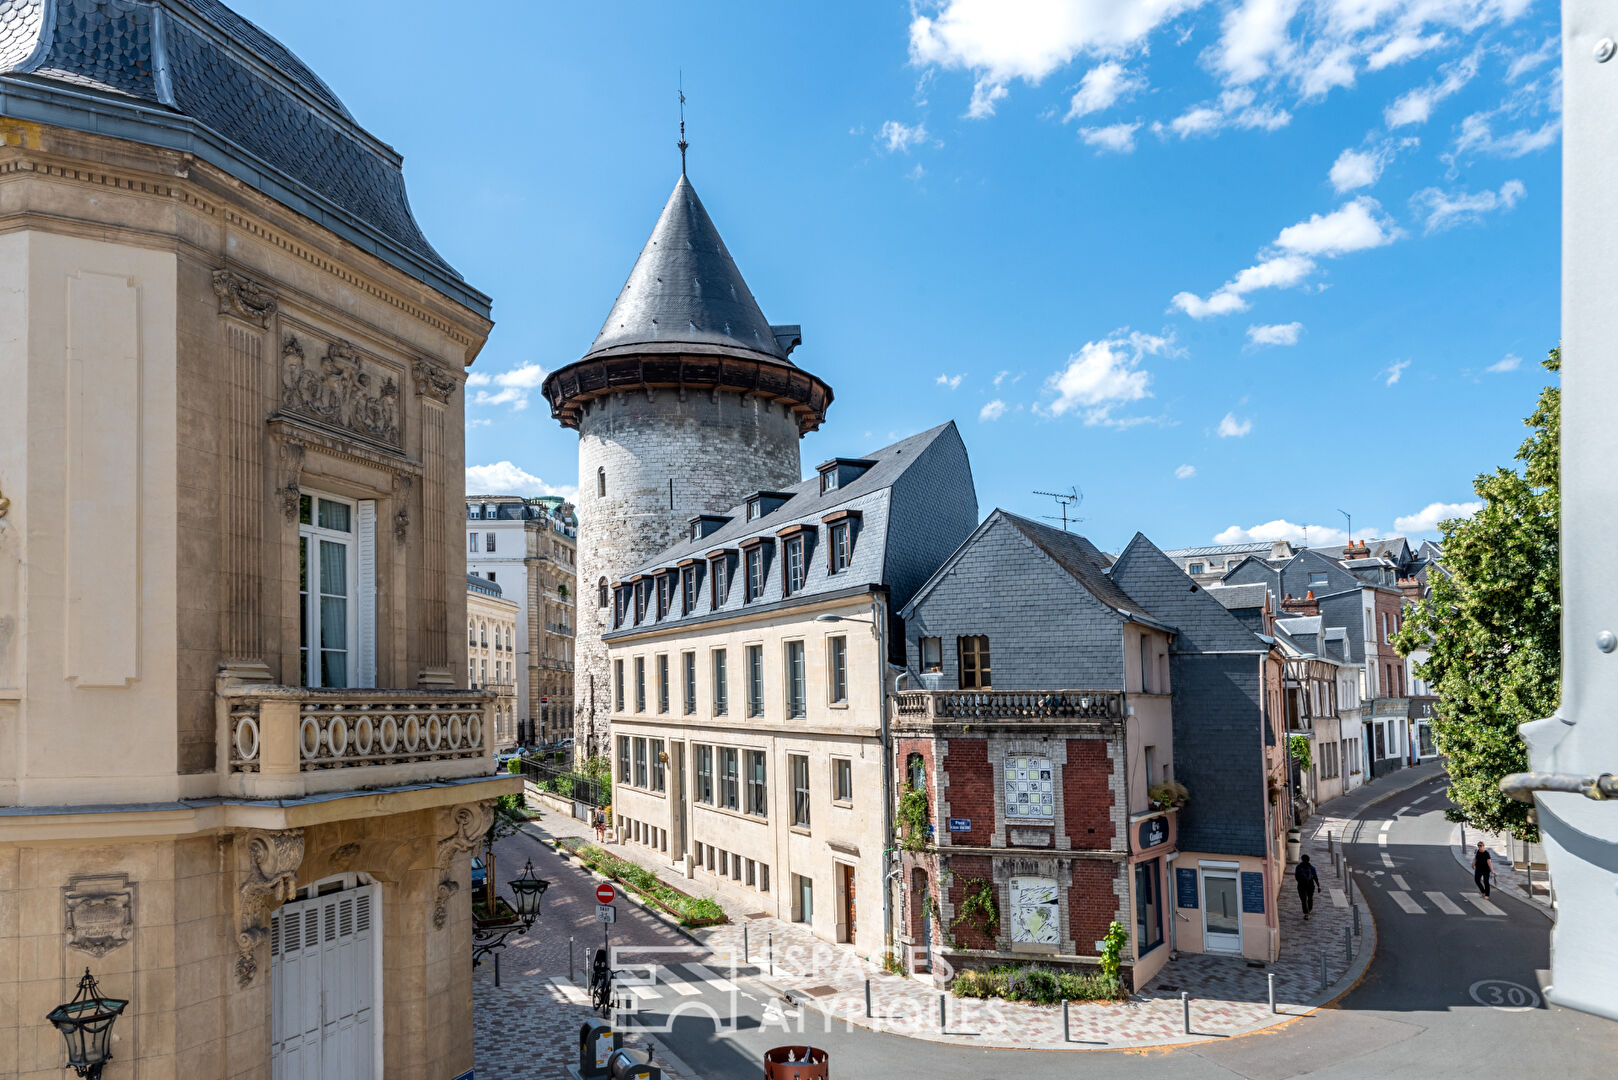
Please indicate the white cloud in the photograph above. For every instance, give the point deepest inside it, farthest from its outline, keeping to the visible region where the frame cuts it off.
(1253, 38)
(1185, 472)
(1201, 120)
(479, 421)
(1477, 136)
(1277, 334)
(1394, 371)
(504, 478)
(897, 138)
(994, 410)
(1402, 47)
(514, 386)
(1445, 209)
(999, 378)
(1105, 374)
(1117, 138)
(1102, 87)
(1523, 63)
(1354, 226)
(1281, 529)
(1508, 362)
(985, 94)
(1280, 272)
(915, 175)
(1426, 520)
(1355, 169)
(1325, 69)
(950, 382)
(1234, 107)
(1416, 106)
(1232, 428)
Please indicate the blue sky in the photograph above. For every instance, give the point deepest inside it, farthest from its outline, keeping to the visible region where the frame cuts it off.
(1227, 267)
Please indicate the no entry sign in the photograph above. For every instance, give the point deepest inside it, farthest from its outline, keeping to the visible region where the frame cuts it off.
(605, 893)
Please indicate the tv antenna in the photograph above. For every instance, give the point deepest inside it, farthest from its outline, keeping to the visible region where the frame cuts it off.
(1350, 518)
(1068, 499)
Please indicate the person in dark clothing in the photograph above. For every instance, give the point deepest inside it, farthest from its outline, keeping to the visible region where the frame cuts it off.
(1482, 868)
(1308, 881)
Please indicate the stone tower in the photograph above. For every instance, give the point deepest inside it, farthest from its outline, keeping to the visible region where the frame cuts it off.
(685, 404)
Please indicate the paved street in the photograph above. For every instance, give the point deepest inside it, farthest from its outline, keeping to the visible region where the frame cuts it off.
(1453, 990)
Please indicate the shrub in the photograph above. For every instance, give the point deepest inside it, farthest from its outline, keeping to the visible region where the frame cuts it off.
(1040, 985)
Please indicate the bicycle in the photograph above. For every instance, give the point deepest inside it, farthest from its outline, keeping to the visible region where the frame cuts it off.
(601, 984)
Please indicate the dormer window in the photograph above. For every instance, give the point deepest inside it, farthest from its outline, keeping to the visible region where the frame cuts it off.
(765, 502)
(842, 528)
(755, 509)
(828, 480)
(688, 590)
(640, 600)
(1194, 568)
(719, 566)
(794, 565)
(840, 472)
(706, 525)
(664, 582)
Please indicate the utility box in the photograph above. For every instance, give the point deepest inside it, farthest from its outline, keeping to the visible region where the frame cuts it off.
(596, 1045)
(796, 1063)
(631, 1063)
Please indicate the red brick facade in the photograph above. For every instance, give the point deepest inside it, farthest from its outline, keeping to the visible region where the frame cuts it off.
(969, 872)
(1092, 904)
(1087, 797)
(971, 790)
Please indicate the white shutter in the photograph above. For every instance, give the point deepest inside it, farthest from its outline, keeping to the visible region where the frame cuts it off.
(366, 594)
(323, 984)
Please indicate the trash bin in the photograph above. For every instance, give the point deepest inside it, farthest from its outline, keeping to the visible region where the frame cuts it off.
(796, 1063)
(631, 1063)
(596, 1044)
(1294, 845)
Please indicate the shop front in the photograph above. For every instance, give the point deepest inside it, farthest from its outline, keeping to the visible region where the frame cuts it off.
(1152, 838)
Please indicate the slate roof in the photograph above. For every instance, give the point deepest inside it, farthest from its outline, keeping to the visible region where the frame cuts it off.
(1238, 596)
(194, 76)
(917, 504)
(1082, 560)
(481, 584)
(685, 290)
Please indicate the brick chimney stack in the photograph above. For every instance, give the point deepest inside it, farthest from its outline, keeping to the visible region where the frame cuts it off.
(1306, 606)
(1411, 587)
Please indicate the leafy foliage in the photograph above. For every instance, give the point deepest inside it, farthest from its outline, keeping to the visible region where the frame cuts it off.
(911, 818)
(1112, 950)
(690, 910)
(978, 908)
(1169, 794)
(1494, 625)
(509, 816)
(1040, 985)
(1298, 746)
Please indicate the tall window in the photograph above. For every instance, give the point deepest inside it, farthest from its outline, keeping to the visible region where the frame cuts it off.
(663, 682)
(471, 538)
(974, 662)
(326, 572)
(690, 579)
(800, 789)
(689, 663)
(841, 549)
(640, 763)
(658, 754)
(755, 680)
(488, 541)
(727, 778)
(601, 593)
(721, 684)
(837, 668)
(721, 581)
(932, 654)
(794, 563)
(756, 799)
(663, 595)
(640, 600)
(916, 772)
(704, 756)
(640, 684)
(755, 573)
(1145, 664)
(795, 684)
(842, 779)
(601, 482)
(623, 759)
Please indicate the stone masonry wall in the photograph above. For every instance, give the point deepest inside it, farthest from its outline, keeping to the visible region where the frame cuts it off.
(667, 456)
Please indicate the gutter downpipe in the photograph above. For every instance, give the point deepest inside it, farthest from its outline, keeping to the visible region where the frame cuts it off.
(879, 624)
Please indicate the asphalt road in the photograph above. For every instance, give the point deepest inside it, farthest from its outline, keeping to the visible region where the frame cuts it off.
(1453, 991)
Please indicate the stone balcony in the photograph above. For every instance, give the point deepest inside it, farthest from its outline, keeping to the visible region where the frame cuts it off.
(954, 706)
(280, 742)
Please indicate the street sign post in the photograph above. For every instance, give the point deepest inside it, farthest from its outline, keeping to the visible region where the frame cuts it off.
(606, 913)
(605, 893)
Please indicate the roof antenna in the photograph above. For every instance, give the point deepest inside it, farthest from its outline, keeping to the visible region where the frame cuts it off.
(1350, 518)
(682, 144)
(1072, 497)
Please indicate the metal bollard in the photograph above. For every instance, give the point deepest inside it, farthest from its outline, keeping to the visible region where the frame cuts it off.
(1356, 909)
(747, 953)
(1348, 946)
(1329, 848)
(1323, 971)
(570, 958)
(1272, 991)
(1185, 1003)
(497, 969)
(868, 999)
(771, 941)
(943, 1004)
(1066, 1035)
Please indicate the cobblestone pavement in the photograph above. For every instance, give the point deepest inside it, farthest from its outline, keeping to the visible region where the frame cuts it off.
(1229, 996)
(527, 1029)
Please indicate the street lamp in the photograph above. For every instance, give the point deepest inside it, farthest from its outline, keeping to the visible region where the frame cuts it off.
(86, 1024)
(829, 617)
(527, 889)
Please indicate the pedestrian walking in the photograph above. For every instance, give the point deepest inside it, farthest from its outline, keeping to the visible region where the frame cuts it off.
(1482, 868)
(601, 826)
(1308, 882)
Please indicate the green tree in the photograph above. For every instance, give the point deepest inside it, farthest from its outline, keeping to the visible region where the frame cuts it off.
(1493, 625)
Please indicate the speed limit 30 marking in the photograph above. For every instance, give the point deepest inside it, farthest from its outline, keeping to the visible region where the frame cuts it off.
(1503, 995)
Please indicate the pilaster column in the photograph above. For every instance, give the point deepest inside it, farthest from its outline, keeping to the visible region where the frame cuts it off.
(434, 387)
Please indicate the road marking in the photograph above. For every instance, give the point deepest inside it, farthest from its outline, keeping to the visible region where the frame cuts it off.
(1483, 905)
(1403, 900)
(1399, 881)
(1386, 825)
(709, 977)
(1401, 810)
(1445, 904)
(1387, 860)
(1423, 799)
(1504, 996)
(1338, 899)
(1382, 839)
(645, 993)
(574, 994)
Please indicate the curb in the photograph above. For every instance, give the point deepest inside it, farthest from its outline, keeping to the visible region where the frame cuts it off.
(1461, 853)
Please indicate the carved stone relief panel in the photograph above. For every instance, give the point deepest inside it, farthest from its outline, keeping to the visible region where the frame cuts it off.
(344, 388)
(471, 822)
(403, 482)
(244, 298)
(433, 381)
(267, 876)
(291, 473)
(99, 913)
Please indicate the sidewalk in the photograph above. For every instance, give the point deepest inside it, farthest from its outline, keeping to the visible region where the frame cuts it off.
(1228, 996)
(1509, 876)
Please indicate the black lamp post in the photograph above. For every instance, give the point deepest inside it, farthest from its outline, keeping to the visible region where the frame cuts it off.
(527, 889)
(86, 1024)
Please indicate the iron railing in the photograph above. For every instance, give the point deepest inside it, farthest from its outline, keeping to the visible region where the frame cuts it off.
(560, 780)
(1010, 704)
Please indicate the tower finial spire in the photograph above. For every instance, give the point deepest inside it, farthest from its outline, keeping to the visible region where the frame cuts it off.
(682, 144)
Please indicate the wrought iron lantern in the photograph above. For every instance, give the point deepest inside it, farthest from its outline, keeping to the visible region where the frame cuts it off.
(527, 888)
(86, 1024)
(489, 935)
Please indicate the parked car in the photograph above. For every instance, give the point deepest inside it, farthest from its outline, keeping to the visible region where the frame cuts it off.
(480, 874)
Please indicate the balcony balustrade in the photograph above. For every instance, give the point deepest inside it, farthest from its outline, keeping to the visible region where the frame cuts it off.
(931, 705)
(290, 741)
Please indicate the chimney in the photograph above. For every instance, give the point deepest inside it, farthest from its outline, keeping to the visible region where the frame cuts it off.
(1357, 549)
(1307, 606)
(1411, 587)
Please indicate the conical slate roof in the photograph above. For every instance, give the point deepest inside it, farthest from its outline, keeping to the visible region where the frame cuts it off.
(685, 291)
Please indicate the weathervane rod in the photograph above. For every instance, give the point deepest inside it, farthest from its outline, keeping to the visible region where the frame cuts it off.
(682, 144)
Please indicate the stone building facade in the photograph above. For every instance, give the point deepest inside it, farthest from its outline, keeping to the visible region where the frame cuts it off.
(491, 653)
(685, 403)
(529, 548)
(243, 711)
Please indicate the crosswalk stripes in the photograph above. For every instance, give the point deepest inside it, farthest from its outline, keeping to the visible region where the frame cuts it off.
(709, 977)
(1483, 905)
(1399, 882)
(575, 995)
(1444, 903)
(1338, 898)
(1387, 860)
(1403, 899)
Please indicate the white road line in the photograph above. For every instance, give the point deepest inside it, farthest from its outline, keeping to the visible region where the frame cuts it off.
(679, 986)
(1403, 900)
(709, 977)
(1423, 799)
(1401, 810)
(1483, 905)
(1387, 860)
(1444, 903)
(1382, 839)
(1386, 825)
(1399, 881)
(575, 995)
(645, 993)
(1338, 898)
